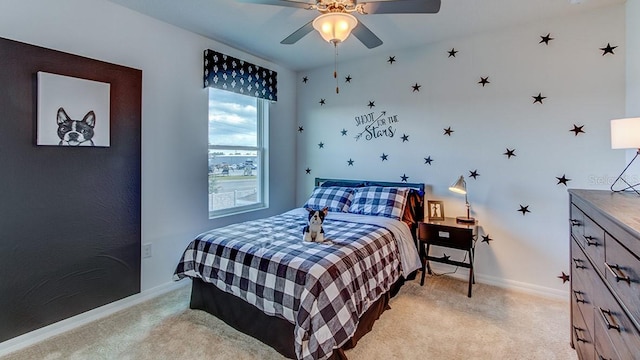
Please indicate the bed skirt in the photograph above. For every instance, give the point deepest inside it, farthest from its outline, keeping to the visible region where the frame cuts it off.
(271, 330)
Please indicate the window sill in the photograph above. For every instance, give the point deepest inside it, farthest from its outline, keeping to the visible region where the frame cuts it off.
(237, 211)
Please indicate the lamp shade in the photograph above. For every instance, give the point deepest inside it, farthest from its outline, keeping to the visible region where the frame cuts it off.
(625, 133)
(460, 186)
(335, 27)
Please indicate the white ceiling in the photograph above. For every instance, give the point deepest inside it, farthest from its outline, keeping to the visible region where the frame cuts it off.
(258, 29)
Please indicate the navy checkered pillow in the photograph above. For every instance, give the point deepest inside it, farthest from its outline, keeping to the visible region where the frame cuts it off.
(379, 201)
(336, 198)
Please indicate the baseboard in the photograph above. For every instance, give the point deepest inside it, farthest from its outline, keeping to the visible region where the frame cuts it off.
(463, 274)
(65, 325)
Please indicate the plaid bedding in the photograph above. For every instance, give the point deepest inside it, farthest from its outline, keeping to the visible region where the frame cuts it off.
(322, 289)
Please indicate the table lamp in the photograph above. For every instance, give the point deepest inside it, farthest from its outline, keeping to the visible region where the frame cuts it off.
(460, 187)
(625, 134)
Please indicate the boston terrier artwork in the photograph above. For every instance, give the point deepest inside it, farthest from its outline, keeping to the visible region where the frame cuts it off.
(75, 132)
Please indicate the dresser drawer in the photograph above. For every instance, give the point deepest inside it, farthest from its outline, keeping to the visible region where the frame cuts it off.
(582, 337)
(576, 220)
(593, 242)
(623, 334)
(605, 349)
(446, 236)
(623, 275)
(586, 284)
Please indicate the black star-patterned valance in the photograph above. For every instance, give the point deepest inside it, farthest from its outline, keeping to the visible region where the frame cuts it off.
(228, 73)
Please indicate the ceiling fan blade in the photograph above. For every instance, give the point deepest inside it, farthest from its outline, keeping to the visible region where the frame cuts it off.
(289, 3)
(299, 34)
(402, 7)
(366, 36)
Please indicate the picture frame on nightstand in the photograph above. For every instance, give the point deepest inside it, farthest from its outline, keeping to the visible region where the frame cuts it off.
(435, 210)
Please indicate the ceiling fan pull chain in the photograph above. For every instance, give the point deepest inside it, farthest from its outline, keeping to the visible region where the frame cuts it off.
(335, 66)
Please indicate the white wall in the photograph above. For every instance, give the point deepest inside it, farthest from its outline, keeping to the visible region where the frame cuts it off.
(633, 57)
(582, 87)
(633, 78)
(174, 113)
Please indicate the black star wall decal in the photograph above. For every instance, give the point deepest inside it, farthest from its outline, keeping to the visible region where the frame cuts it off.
(416, 87)
(486, 238)
(510, 153)
(545, 39)
(371, 104)
(452, 52)
(391, 60)
(348, 78)
(308, 171)
(428, 160)
(305, 79)
(564, 277)
(448, 131)
(538, 98)
(474, 174)
(404, 177)
(300, 129)
(322, 102)
(577, 129)
(445, 257)
(343, 132)
(321, 145)
(484, 81)
(608, 49)
(350, 162)
(405, 137)
(524, 210)
(384, 157)
(562, 180)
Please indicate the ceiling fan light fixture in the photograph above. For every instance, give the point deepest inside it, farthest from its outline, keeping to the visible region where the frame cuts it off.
(335, 27)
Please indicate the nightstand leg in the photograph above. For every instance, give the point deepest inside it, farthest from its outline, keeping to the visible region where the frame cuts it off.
(472, 255)
(472, 277)
(423, 259)
(425, 256)
(470, 281)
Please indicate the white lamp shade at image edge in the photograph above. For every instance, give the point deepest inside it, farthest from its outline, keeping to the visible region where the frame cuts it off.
(625, 133)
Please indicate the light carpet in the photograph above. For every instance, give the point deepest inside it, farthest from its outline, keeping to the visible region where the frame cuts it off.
(435, 321)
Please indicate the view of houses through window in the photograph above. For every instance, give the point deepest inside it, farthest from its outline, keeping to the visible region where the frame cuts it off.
(236, 150)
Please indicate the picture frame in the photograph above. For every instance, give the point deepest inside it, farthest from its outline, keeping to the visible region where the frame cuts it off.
(72, 111)
(435, 210)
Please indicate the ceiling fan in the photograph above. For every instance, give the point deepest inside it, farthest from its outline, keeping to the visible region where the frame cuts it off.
(336, 21)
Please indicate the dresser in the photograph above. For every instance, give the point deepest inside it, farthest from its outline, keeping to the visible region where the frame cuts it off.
(605, 274)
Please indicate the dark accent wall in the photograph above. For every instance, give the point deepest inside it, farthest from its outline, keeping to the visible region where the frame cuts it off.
(69, 216)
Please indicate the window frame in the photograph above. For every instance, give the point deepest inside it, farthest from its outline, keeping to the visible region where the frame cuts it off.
(262, 173)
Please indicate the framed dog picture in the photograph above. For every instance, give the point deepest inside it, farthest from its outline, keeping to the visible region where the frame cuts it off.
(436, 210)
(72, 111)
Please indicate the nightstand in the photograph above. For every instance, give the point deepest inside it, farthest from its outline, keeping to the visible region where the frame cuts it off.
(450, 234)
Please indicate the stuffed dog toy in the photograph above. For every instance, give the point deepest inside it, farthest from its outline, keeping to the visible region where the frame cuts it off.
(314, 232)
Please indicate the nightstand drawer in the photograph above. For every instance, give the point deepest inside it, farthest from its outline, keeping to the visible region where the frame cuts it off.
(450, 237)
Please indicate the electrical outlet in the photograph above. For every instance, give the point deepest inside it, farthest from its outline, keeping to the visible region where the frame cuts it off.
(146, 250)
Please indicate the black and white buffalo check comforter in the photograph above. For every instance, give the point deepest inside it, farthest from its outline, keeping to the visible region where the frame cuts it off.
(322, 289)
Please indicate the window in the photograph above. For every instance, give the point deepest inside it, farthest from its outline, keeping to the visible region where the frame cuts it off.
(237, 163)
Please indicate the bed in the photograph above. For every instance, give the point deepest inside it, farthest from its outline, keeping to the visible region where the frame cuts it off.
(310, 300)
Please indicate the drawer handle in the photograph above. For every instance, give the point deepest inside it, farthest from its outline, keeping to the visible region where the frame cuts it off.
(590, 241)
(604, 314)
(578, 295)
(619, 275)
(578, 338)
(574, 222)
(577, 262)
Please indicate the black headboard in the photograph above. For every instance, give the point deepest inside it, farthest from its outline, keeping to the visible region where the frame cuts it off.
(358, 183)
